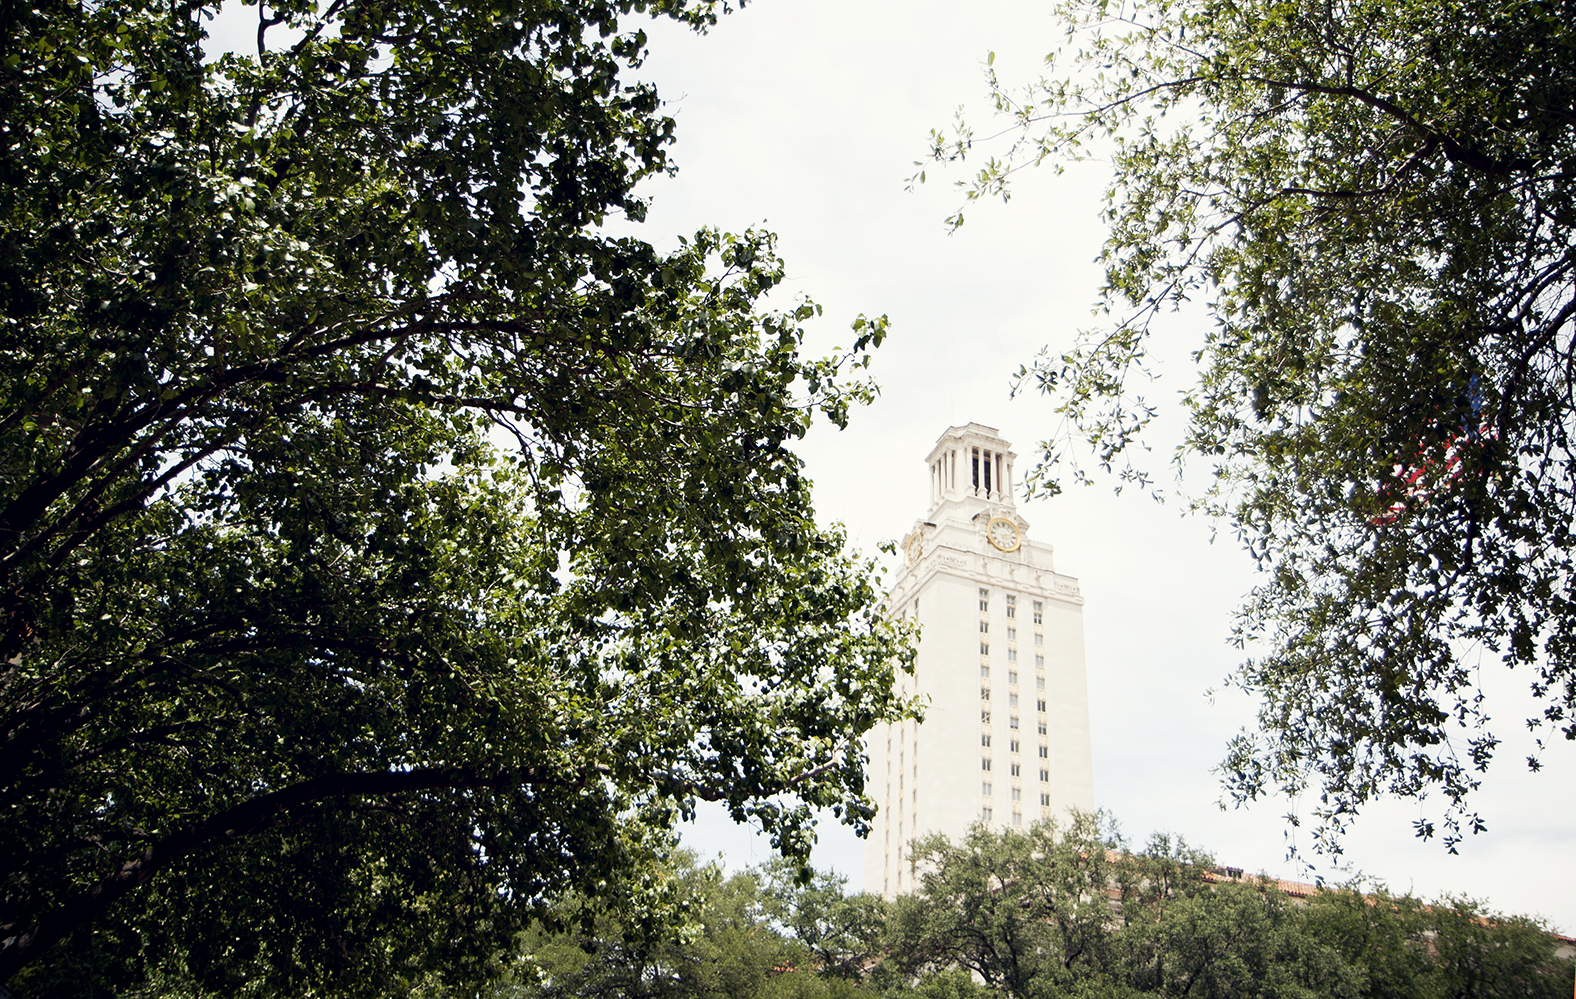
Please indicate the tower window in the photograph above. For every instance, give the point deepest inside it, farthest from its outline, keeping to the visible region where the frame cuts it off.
(1012, 605)
(1017, 770)
(985, 671)
(1017, 794)
(1012, 676)
(985, 813)
(984, 648)
(985, 738)
(1040, 704)
(984, 693)
(1039, 682)
(1012, 654)
(1012, 633)
(1012, 721)
(1042, 726)
(984, 626)
(1039, 639)
(1045, 752)
(1039, 612)
(985, 715)
(1045, 776)
(1045, 800)
(1015, 745)
(1017, 818)
(985, 763)
(1012, 700)
(984, 599)
(985, 788)
(1039, 661)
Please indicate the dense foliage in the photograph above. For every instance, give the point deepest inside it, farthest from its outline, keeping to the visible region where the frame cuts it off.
(1375, 199)
(733, 945)
(1077, 912)
(1042, 916)
(386, 551)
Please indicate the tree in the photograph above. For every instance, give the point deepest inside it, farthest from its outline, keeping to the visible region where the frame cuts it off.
(1019, 909)
(1480, 953)
(729, 945)
(1375, 197)
(1075, 914)
(386, 550)
(1381, 935)
(1453, 947)
(1245, 940)
(1169, 932)
(1049, 914)
(842, 932)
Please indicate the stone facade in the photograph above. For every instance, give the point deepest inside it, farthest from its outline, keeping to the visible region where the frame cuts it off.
(1000, 669)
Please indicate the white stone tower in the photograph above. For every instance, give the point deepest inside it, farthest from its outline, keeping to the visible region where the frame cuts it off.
(1000, 665)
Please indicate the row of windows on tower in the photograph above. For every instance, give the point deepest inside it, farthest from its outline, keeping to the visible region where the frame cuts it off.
(1017, 816)
(1012, 722)
(1045, 754)
(1017, 769)
(1011, 600)
(985, 741)
(1012, 676)
(1012, 700)
(1012, 654)
(1012, 633)
(1017, 794)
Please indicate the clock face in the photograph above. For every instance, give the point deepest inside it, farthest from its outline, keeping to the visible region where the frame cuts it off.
(914, 549)
(1003, 533)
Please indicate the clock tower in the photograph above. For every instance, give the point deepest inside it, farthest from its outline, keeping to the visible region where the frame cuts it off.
(1000, 669)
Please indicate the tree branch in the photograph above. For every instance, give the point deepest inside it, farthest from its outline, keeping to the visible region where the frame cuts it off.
(1454, 149)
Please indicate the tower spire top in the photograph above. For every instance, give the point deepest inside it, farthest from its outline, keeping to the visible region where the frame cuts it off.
(971, 464)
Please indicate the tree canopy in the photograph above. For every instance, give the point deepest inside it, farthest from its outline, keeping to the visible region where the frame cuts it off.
(1068, 913)
(731, 943)
(1042, 913)
(387, 550)
(1076, 912)
(1375, 199)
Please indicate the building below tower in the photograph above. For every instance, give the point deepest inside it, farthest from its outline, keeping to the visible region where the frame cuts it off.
(1000, 669)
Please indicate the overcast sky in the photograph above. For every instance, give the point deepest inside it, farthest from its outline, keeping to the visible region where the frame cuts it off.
(806, 117)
